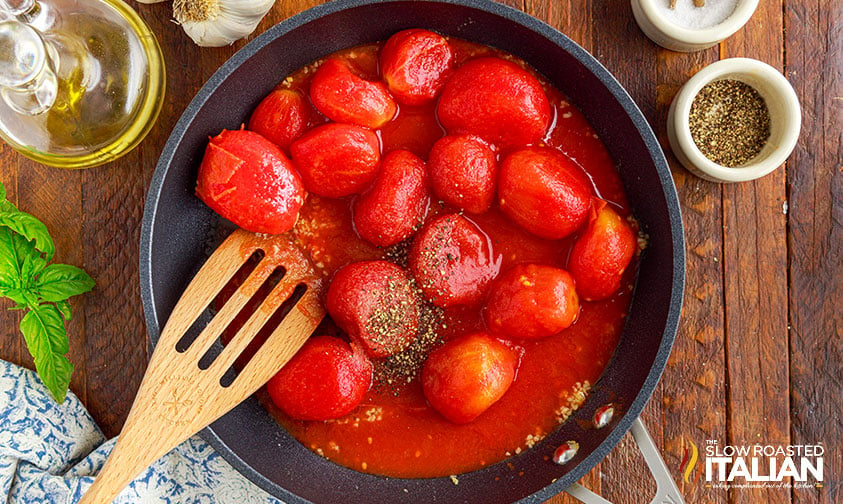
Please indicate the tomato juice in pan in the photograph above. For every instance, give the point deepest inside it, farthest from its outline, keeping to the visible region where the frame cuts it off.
(394, 431)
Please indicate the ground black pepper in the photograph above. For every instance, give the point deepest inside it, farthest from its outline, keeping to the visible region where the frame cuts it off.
(729, 122)
(399, 253)
(392, 372)
(402, 367)
(390, 320)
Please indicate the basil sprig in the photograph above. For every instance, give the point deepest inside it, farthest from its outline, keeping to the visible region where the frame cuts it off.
(41, 289)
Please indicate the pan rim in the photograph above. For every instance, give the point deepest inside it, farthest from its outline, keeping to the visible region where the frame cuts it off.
(601, 73)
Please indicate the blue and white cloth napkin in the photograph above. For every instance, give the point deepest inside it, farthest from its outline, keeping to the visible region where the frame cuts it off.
(50, 453)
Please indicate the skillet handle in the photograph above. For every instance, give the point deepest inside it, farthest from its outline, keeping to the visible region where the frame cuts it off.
(666, 490)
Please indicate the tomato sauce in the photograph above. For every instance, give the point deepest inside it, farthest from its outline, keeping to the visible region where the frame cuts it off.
(394, 432)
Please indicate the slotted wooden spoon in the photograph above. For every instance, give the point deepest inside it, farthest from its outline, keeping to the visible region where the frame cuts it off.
(176, 398)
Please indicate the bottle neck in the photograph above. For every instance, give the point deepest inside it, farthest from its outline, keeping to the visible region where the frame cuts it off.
(28, 83)
(14, 8)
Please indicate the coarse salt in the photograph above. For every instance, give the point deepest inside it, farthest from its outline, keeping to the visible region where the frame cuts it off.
(686, 15)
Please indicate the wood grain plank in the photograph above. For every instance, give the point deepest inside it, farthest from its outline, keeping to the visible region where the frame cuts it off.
(115, 347)
(54, 196)
(694, 396)
(814, 65)
(11, 342)
(571, 18)
(755, 257)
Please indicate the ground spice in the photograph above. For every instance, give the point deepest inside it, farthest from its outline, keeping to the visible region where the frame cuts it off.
(390, 320)
(402, 367)
(399, 253)
(729, 122)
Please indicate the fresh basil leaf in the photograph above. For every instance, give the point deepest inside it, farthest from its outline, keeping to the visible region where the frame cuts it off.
(31, 228)
(64, 308)
(22, 297)
(33, 263)
(25, 278)
(45, 336)
(55, 372)
(5, 204)
(19, 261)
(58, 282)
(9, 265)
(43, 330)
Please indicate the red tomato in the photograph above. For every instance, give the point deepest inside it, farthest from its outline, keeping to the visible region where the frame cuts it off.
(452, 262)
(544, 192)
(326, 379)
(281, 117)
(343, 96)
(462, 172)
(392, 209)
(248, 180)
(337, 160)
(602, 253)
(465, 376)
(532, 301)
(415, 64)
(496, 100)
(375, 303)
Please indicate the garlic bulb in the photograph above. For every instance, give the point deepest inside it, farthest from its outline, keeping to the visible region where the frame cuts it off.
(215, 23)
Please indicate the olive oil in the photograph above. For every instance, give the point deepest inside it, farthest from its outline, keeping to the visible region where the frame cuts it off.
(103, 87)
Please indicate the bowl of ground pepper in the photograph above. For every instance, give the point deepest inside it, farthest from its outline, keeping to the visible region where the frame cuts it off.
(735, 120)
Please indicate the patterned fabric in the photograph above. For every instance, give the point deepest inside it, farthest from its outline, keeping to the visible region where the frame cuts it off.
(50, 453)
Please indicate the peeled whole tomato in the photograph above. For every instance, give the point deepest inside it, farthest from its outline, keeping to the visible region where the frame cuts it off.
(602, 253)
(345, 97)
(467, 375)
(375, 304)
(395, 205)
(248, 180)
(463, 170)
(452, 261)
(544, 192)
(415, 64)
(337, 159)
(496, 100)
(281, 117)
(532, 301)
(326, 379)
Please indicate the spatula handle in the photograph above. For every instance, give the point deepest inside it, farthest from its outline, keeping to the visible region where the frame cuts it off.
(122, 466)
(147, 435)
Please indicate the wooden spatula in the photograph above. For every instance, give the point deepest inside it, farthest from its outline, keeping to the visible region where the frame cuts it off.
(177, 398)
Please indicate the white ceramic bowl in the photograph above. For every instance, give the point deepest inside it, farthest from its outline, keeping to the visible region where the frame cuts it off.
(785, 120)
(648, 14)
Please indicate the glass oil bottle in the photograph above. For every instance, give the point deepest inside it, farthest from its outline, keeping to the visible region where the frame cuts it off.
(81, 81)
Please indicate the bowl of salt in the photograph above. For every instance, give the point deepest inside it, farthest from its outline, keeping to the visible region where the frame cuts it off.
(691, 25)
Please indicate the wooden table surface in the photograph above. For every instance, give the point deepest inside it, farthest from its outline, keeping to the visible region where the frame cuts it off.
(759, 353)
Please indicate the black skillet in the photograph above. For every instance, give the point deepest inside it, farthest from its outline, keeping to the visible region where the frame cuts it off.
(179, 231)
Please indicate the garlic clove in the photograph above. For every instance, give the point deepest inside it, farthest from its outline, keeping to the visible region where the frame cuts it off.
(215, 23)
